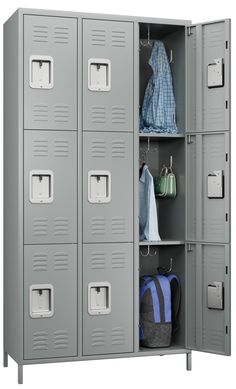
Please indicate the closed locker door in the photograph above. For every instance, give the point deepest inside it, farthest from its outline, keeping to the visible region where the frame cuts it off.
(50, 73)
(50, 301)
(107, 75)
(50, 187)
(208, 302)
(107, 298)
(107, 187)
(208, 170)
(208, 80)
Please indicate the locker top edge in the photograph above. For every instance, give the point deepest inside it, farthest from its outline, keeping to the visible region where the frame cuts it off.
(127, 18)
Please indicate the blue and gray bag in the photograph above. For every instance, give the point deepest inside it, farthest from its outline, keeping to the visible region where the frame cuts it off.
(159, 309)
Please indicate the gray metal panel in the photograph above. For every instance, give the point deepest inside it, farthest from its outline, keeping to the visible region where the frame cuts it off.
(111, 110)
(208, 110)
(55, 222)
(111, 333)
(55, 108)
(13, 188)
(112, 221)
(54, 336)
(207, 219)
(208, 329)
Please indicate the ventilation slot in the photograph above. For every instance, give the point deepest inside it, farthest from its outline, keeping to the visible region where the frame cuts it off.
(40, 148)
(61, 261)
(61, 226)
(98, 114)
(118, 115)
(118, 336)
(118, 149)
(213, 337)
(98, 149)
(118, 225)
(118, 39)
(40, 340)
(98, 225)
(98, 260)
(40, 113)
(60, 340)
(61, 113)
(40, 226)
(213, 117)
(214, 38)
(118, 260)
(98, 337)
(61, 148)
(98, 37)
(40, 34)
(61, 35)
(40, 262)
(213, 229)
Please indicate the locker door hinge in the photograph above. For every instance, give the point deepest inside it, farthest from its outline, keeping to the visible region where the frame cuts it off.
(189, 139)
(189, 248)
(189, 31)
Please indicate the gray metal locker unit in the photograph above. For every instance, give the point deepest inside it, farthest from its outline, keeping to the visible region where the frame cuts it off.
(72, 256)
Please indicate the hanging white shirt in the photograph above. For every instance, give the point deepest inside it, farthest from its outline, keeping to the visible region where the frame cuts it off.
(148, 223)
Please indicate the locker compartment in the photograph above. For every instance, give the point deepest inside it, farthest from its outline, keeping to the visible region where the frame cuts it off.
(107, 187)
(208, 326)
(50, 301)
(173, 38)
(157, 151)
(50, 73)
(208, 98)
(208, 197)
(50, 187)
(107, 298)
(171, 258)
(107, 77)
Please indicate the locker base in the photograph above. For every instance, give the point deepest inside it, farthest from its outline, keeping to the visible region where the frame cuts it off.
(5, 359)
(189, 361)
(20, 374)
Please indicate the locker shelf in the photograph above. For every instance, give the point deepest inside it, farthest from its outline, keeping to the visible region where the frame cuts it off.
(161, 136)
(162, 243)
(173, 349)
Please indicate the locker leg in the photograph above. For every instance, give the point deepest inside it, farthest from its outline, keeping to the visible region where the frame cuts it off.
(20, 374)
(189, 361)
(5, 359)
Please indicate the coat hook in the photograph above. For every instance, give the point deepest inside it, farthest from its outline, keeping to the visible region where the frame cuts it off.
(153, 255)
(147, 253)
(171, 56)
(148, 144)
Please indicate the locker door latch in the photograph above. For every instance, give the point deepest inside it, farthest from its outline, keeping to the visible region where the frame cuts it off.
(99, 298)
(41, 71)
(41, 301)
(99, 74)
(215, 295)
(41, 186)
(99, 186)
(215, 73)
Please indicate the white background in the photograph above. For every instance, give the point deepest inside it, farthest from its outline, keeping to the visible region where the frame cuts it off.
(209, 371)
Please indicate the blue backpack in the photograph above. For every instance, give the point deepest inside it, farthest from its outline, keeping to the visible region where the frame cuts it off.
(159, 309)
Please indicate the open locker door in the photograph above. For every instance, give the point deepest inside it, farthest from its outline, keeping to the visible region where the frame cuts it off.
(208, 187)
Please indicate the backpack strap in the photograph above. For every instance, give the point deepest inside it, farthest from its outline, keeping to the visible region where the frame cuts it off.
(163, 287)
(150, 284)
(175, 300)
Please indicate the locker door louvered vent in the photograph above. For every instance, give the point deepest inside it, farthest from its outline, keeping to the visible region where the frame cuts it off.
(40, 147)
(40, 226)
(40, 33)
(61, 261)
(215, 339)
(61, 113)
(98, 225)
(216, 36)
(118, 260)
(61, 226)
(61, 35)
(97, 337)
(40, 341)
(61, 147)
(98, 149)
(118, 149)
(118, 225)
(117, 336)
(98, 37)
(40, 262)
(97, 260)
(60, 339)
(118, 38)
(98, 113)
(40, 112)
(118, 114)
